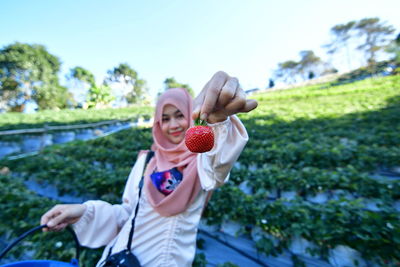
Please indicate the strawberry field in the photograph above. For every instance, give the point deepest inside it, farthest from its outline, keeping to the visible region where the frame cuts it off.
(322, 166)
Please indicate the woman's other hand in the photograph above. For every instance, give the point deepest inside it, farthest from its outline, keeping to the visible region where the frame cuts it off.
(221, 97)
(60, 216)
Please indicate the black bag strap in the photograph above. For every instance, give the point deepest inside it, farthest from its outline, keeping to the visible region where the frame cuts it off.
(33, 230)
(149, 155)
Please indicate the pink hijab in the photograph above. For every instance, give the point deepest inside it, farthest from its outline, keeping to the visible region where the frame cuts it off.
(168, 155)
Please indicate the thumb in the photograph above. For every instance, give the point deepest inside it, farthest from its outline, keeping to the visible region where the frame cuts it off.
(196, 112)
(250, 105)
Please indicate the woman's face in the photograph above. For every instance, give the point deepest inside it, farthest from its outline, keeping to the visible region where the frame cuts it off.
(173, 124)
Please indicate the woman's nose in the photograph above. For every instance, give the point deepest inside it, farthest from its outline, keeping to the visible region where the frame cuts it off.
(173, 123)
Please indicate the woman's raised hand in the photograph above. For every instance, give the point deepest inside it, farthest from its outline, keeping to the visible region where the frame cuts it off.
(60, 216)
(220, 98)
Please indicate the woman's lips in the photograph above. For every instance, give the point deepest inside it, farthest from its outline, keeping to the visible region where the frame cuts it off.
(176, 133)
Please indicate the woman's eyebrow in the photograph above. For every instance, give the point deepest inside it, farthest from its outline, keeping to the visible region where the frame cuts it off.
(174, 113)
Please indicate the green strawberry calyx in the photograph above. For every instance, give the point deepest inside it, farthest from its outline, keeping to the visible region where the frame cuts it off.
(199, 122)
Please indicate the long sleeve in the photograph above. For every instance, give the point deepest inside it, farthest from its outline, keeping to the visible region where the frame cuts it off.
(101, 222)
(214, 166)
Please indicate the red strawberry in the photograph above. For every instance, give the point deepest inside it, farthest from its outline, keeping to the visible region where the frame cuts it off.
(199, 138)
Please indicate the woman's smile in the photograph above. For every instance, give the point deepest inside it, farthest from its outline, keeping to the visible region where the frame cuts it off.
(176, 133)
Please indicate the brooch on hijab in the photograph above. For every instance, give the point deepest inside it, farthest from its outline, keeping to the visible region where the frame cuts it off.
(167, 181)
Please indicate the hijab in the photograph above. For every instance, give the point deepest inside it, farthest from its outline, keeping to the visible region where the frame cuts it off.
(168, 155)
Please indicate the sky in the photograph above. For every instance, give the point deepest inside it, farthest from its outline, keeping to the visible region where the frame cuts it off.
(187, 40)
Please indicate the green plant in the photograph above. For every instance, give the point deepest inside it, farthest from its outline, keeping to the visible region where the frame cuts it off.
(200, 260)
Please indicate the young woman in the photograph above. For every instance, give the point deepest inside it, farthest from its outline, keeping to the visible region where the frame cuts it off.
(176, 181)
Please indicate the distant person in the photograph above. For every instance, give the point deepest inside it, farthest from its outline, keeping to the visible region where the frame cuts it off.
(271, 83)
(177, 182)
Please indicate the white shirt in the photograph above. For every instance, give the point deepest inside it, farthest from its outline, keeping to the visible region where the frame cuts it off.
(161, 241)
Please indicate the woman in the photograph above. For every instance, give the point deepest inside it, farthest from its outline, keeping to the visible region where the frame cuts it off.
(177, 182)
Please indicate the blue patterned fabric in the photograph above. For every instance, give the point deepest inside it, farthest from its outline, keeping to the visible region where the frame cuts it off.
(166, 181)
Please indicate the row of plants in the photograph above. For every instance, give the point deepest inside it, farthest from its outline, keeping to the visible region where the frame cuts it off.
(308, 181)
(313, 140)
(103, 163)
(98, 162)
(16, 120)
(338, 222)
(365, 138)
(307, 140)
(21, 210)
(387, 67)
(41, 138)
(323, 101)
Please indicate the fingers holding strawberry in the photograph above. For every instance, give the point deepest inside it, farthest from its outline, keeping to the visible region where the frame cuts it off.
(221, 97)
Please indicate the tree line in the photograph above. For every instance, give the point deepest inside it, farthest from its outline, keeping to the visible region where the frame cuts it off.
(28, 72)
(369, 36)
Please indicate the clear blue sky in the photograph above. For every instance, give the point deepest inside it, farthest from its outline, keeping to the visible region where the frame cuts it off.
(189, 40)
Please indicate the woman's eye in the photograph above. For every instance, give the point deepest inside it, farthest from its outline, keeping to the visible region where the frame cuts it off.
(165, 119)
(180, 116)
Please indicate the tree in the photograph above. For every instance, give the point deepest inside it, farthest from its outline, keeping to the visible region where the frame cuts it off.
(342, 34)
(287, 71)
(376, 34)
(172, 83)
(30, 72)
(100, 96)
(53, 96)
(309, 66)
(309, 63)
(394, 48)
(134, 88)
(82, 75)
(82, 80)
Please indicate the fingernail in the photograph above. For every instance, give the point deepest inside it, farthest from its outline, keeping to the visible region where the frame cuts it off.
(203, 116)
(50, 224)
